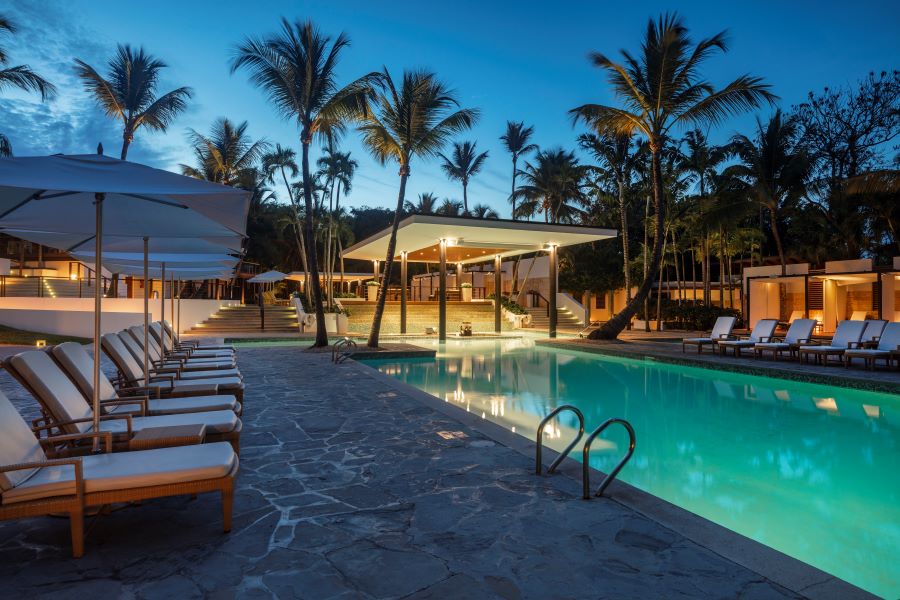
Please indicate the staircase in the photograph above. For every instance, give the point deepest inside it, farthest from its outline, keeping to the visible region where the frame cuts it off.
(246, 319)
(565, 318)
(420, 315)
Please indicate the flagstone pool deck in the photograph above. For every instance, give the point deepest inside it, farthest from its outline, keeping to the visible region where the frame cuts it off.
(347, 490)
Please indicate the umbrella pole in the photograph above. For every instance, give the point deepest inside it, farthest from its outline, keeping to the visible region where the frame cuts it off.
(162, 310)
(98, 307)
(172, 307)
(146, 311)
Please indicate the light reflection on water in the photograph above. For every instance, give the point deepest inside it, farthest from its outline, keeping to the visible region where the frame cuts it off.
(810, 470)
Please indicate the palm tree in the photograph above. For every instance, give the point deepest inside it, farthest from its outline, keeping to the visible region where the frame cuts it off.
(427, 204)
(226, 155)
(128, 92)
(282, 161)
(517, 141)
(658, 90)
(21, 77)
(702, 161)
(464, 165)
(296, 68)
(554, 184)
(774, 167)
(614, 152)
(415, 120)
(483, 211)
(450, 208)
(345, 168)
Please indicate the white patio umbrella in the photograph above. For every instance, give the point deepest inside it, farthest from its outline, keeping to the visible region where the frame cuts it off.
(263, 278)
(75, 195)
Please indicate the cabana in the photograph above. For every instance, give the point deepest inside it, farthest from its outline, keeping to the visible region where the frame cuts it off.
(468, 241)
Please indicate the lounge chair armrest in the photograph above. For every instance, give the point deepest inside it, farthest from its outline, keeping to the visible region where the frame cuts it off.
(139, 400)
(140, 390)
(855, 345)
(727, 336)
(766, 338)
(105, 436)
(53, 462)
(56, 424)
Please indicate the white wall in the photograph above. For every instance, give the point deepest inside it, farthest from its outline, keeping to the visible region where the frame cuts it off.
(69, 316)
(859, 265)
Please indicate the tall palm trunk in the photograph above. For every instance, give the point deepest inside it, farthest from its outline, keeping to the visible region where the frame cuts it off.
(614, 326)
(388, 262)
(127, 137)
(321, 334)
(773, 215)
(465, 196)
(514, 292)
(677, 271)
(298, 232)
(662, 280)
(646, 247)
(721, 267)
(626, 259)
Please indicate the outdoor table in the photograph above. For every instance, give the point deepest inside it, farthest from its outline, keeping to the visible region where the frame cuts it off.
(164, 437)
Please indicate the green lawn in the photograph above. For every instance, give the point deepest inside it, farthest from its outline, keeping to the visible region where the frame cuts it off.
(8, 335)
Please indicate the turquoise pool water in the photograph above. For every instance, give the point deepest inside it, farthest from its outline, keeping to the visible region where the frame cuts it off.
(811, 470)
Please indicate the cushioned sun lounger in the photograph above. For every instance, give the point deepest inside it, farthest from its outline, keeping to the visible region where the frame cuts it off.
(33, 484)
(164, 339)
(195, 344)
(189, 368)
(800, 332)
(79, 366)
(887, 349)
(64, 405)
(721, 331)
(762, 332)
(872, 333)
(131, 372)
(846, 336)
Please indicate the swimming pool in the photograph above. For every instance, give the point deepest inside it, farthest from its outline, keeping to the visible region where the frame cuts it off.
(811, 470)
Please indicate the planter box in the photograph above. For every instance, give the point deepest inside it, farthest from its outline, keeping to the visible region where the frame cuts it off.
(371, 293)
(466, 294)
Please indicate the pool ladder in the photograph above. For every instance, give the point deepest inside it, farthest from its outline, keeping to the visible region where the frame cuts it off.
(342, 349)
(585, 468)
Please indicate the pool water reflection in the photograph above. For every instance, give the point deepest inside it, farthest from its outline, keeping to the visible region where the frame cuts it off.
(811, 470)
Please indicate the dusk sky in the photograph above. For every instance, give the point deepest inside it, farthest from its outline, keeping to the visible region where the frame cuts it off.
(514, 61)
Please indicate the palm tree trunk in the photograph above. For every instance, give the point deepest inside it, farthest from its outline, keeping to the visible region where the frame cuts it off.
(774, 217)
(388, 262)
(465, 198)
(512, 197)
(721, 267)
(677, 271)
(614, 326)
(127, 136)
(646, 247)
(659, 290)
(321, 334)
(694, 273)
(298, 232)
(626, 259)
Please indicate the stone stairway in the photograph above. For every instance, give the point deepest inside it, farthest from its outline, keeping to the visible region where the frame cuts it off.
(246, 319)
(420, 315)
(565, 318)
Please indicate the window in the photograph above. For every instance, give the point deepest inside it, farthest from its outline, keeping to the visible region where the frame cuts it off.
(600, 300)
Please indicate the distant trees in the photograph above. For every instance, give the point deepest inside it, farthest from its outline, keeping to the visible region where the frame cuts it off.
(517, 141)
(463, 164)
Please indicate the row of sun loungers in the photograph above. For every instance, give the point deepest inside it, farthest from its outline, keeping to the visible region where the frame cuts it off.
(187, 412)
(870, 341)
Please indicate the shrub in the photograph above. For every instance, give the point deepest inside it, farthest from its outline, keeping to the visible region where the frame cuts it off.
(510, 305)
(465, 285)
(691, 315)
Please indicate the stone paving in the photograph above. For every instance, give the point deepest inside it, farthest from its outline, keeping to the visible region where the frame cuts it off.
(347, 491)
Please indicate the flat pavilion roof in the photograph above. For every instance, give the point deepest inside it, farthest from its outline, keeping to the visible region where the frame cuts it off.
(301, 276)
(472, 240)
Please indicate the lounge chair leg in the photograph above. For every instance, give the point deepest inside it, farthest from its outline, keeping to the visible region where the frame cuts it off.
(76, 526)
(227, 503)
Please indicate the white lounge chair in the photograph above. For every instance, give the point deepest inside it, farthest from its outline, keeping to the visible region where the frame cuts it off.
(800, 332)
(33, 484)
(66, 408)
(872, 333)
(194, 344)
(888, 348)
(762, 332)
(720, 331)
(133, 339)
(79, 366)
(131, 372)
(846, 336)
(858, 315)
(163, 337)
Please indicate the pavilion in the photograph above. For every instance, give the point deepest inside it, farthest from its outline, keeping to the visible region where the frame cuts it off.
(468, 241)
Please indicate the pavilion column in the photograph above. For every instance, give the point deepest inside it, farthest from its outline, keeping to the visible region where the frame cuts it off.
(403, 291)
(442, 293)
(376, 271)
(552, 299)
(498, 292)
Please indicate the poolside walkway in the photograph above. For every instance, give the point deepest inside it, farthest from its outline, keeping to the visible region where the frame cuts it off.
(347, 490)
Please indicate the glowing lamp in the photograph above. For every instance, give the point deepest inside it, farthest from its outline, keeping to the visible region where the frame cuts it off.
(40, 343)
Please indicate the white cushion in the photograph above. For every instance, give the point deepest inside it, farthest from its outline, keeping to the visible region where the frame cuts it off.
(17, 444)
(53, 388)
(128, 470)
(216, 421)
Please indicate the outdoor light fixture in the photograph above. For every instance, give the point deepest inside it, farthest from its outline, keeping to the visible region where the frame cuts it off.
(40, 344)
(73, 276)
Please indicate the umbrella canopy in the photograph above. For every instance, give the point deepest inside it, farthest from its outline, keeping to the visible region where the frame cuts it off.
(56, 194)
(268, 277)
(83, 197)
(76, 242)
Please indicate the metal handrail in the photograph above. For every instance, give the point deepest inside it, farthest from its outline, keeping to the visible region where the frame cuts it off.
(337, 356)
(535, 293)
(540, 438)
(585, 467)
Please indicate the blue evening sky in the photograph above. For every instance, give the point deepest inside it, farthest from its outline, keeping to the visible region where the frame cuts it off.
(512, 60)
